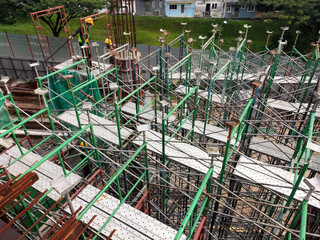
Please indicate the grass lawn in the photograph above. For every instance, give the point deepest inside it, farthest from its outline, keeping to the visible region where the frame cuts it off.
(147, 31)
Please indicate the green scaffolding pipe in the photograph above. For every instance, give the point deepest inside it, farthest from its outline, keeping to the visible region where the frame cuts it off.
(118, 125)
(209, 41)
(181, 124)
(139, 112)
(137, 90)
(55, 151)
(31, 149)
(208, 102)
(163, 128)
(22, 122)
(297, 51)
(305, 166)
(10, 123)
(61, 70)
(194, 204)
(117, 208)
(294, 222)
(95, 79)
(304, 218)
(180, 63)
(94, 104)
(302, 172)
(18, 115)
(109, 183)
(80, 163)
(195, 89)
(204, 204)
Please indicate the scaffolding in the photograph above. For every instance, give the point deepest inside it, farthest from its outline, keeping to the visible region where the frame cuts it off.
(202, 144)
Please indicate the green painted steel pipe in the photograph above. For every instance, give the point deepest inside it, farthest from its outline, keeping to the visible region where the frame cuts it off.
(55, 151)
(194, 204)
(94, 80)
(23, 122)
(180, 63)
(137, 90)
(212, 82)
(181, 124)
(194, 113)
(305, 166)
(304, 218)
(80, 163)
(61, 70)
(197, 218)
(301, 55)
(117, 208)
(10, 123)
(31, 149)
(109, 183)
(208, 42)
(139, 112)
(181, 102)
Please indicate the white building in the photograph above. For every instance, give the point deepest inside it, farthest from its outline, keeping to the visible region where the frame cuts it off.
(211, 8)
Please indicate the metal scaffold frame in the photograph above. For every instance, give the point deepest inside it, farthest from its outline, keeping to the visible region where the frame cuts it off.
(215, 144)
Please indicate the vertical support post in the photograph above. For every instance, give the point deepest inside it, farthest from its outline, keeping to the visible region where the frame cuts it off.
(9, 44)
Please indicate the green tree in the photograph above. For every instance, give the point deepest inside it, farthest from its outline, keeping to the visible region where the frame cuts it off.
(73, 8)
(300, 12)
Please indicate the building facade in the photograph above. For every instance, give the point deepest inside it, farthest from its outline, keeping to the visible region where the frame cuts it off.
(237, 11)
(230, 9)
(184, 8)
(213, 9)
(150, 7)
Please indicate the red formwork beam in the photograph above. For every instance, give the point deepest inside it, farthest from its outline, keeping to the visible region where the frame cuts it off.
(9, 44)
(141, 204)
(90, 180)
(21, 213)
(44, 43)
(199, 235)
(85, 34)
(123, 21)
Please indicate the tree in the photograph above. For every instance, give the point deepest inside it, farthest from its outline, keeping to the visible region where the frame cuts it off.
(300, 12)
(73, 8)
(10, 11)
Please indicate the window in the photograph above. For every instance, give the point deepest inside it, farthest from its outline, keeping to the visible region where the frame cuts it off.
(147, 6)
(153, 3)
(250, 9)
(228, 8)
(160, 3)
(173, 7)
(214, 6)
(243, 7)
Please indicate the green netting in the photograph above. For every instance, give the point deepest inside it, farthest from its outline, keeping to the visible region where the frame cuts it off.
(4, 115)
(59, 87)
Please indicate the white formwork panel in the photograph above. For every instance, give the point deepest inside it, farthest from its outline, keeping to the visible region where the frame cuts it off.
(181, 152)
(217, 98)
(102, 127)
(212, 131)
(147, 114)
(277, 150)
(290, 106)
(248, 77)
(274, 178)
(176, 75)
(82, 72)
(284, 105)
(47, 171)
(292, 79)
(129, 222)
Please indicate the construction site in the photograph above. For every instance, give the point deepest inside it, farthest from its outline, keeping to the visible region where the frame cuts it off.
(179, 143)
